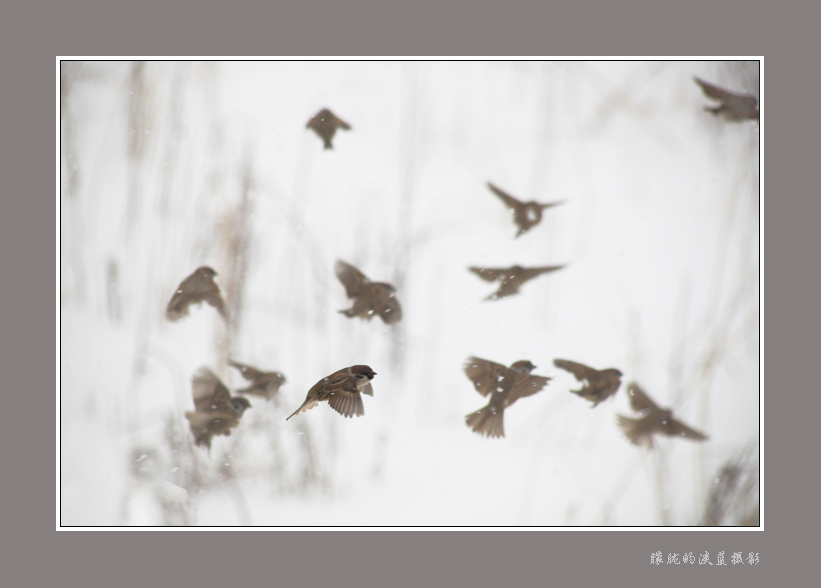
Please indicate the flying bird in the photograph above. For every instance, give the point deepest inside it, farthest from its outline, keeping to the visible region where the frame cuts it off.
(504, 386)
(511, 278)
(369, 298)
(526, 215)
(342, 390)
(215, 412)
(325, 123)
(597, 385)
(263, 384)
(733, 106)
(653, 420)
(196, 288)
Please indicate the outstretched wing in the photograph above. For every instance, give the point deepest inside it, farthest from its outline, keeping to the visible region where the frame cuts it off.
(532, 272)
(676, 428)
(581, 371)
(486, 375)
(340, 123)
(351, 278)
(639, 399)
(525, 385)
(488, 274)
(509, 200)
(719, 93)
(209, 393)
(249, 373)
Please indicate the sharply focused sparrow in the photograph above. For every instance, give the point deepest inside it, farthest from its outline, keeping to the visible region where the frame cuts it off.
(504, 386)
(216, 411)
(196, 288)
(342, 390)
(734, 106)
(511, 278)
(653, 420)
(369, 298)
(263, 384)
(325, 123)
(597, 385)
(526, 215)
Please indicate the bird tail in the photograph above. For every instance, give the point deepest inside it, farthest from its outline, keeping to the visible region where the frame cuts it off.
(305, 406)
(348, 312)
(488, 421)
(634, 431)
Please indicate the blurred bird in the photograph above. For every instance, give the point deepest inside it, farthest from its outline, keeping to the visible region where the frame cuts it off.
(504, 386)
(342, 391)
(597, 385)
(369, 297)
(263, 384)
(526, 215)
(216, 412)
(734, 106)
(196, 288)
(653, 420)
(325, 123)
(511, 278)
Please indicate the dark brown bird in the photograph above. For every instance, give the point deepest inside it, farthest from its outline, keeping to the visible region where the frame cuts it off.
(196, 288)
(369, 298)
(216, 412)
(504, 386)
(325, 123)
(734, 107)
(263, 384)
(342, 389)
(597, 385)
(526, 215)
(511, 278)
(653, 420)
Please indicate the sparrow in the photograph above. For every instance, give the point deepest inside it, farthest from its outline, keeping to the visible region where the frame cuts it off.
(196, 288)
(342, 390)
(215, 412)
(504, 386)
(653, 420)
(526, 215)
(597, 385)
(511, 278)
(369, 297)
(263, 384)
(325, 123)
(734, 107)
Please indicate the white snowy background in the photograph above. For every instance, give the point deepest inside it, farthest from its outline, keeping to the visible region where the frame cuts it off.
(166, 166)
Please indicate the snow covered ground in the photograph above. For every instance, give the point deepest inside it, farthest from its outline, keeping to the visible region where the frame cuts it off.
(167, 166)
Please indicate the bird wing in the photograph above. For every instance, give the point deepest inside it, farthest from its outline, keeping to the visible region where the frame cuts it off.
(346, 402)
(722, 94)
(488, 274)
(581, 371)
(639, 399)
(209, 393)
(532, 272)
(386, 304)
(353, 279)
(525, 385)
(249, 373)
(183, 297)
(509, 200)
(341, 123)
(486, 375)
(676, 428)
